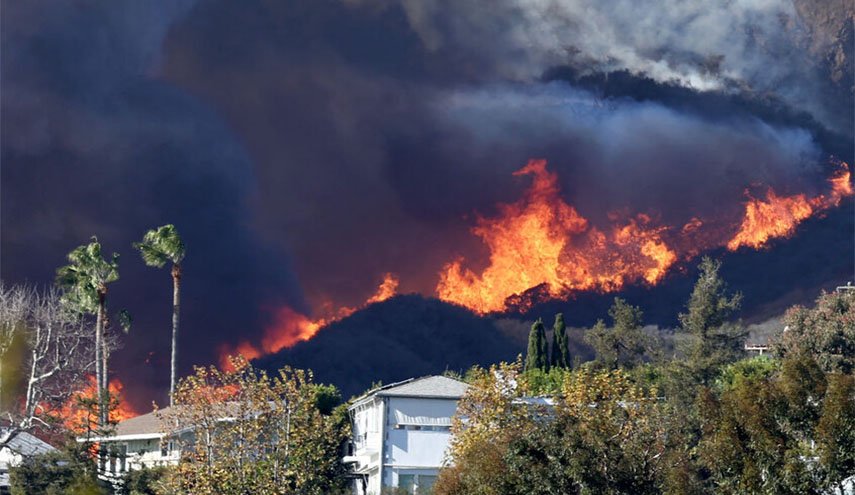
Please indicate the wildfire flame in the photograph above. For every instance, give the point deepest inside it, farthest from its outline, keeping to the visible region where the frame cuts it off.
(540, 240)
(777, 216)
(773, 217)
(542, 245)
(292, 326)
(75, 417)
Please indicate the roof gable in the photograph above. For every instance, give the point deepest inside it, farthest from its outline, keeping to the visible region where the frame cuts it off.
(440, 387)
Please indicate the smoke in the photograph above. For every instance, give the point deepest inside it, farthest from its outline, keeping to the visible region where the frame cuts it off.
(756, 46)
(626, 154)
(304, 149)
(93, 144)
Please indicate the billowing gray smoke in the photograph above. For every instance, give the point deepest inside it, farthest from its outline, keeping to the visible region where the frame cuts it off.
(329, 142)
(760, 46)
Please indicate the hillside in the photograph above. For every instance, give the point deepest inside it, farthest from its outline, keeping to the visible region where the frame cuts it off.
(400, 338)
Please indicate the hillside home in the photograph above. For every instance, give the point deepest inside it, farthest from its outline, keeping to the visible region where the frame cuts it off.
(401, 433)
(137, 443)
(22, 445)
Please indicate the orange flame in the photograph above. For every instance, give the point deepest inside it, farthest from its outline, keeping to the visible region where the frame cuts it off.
(542, 241)
(292, 326)
(778, 216)
(774, 217)
(841, 185)
(74, 416)
(387, 289)
(542, 247)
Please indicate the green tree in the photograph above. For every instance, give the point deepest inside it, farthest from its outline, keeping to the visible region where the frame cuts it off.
(601, 435)
(714, 341)
(68, 471)
(826, 332)
(785, 432)
(487, 420)
(246, 432)
(622, 345)
(159, 246)
(560, 350)
(84, 282)
(143, 481)
(835, 432)
(537, 355)
(754, 368)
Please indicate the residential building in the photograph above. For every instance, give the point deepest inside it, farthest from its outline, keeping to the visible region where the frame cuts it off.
(401, 433)
(137, 443)
(21, 445)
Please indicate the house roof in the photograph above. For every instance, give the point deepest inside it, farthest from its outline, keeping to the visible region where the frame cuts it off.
(144, 424)
(429, 387)
(27, 444)
(150, 425)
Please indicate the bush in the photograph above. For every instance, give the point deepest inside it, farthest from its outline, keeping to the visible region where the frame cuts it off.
(143, 481)
(64, 472)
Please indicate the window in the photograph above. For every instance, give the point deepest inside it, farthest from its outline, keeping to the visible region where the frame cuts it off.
(422, 427)
(417, 484)
(407, 482)
(166, 448)
(123, 457)
(426, 483)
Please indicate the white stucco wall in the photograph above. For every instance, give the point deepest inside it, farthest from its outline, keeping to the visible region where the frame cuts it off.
(414, 438)
(418, 431)
(417, 448)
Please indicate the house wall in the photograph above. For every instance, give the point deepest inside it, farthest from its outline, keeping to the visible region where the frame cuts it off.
(413, 437)
(138, 454)
(418, 431)
(367, 422)
(366, 427)
(8, 458)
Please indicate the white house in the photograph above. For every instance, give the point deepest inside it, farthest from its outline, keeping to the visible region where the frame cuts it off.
(20, 446)
(138, 443)
(401, 433)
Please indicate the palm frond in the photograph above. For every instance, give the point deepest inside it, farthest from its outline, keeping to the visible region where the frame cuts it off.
(85, 274)
(161, 245)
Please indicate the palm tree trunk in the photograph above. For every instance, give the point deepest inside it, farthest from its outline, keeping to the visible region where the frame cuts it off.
(99, 372)
(99, 323)
(176, 307)
(105, 375)
(2, 357)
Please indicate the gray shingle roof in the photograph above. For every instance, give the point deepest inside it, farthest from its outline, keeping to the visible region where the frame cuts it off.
(144, 424)
(428, 386)
(26, 444)
(151, 423)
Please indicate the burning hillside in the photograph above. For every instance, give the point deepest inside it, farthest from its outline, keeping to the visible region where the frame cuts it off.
(541, 240)
(292, 327)
(777, 216)
(542, 247)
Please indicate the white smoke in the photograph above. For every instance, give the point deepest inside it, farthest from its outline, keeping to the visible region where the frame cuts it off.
(733, 45)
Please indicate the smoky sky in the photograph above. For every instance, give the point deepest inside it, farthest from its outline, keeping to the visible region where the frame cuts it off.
(303, 149)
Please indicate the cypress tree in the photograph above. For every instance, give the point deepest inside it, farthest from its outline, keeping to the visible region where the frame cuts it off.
(560, 350)
(537, 356)
(544, 348)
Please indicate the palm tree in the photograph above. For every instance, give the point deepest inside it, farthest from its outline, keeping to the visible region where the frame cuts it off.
(84, 282)
(158, 247)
